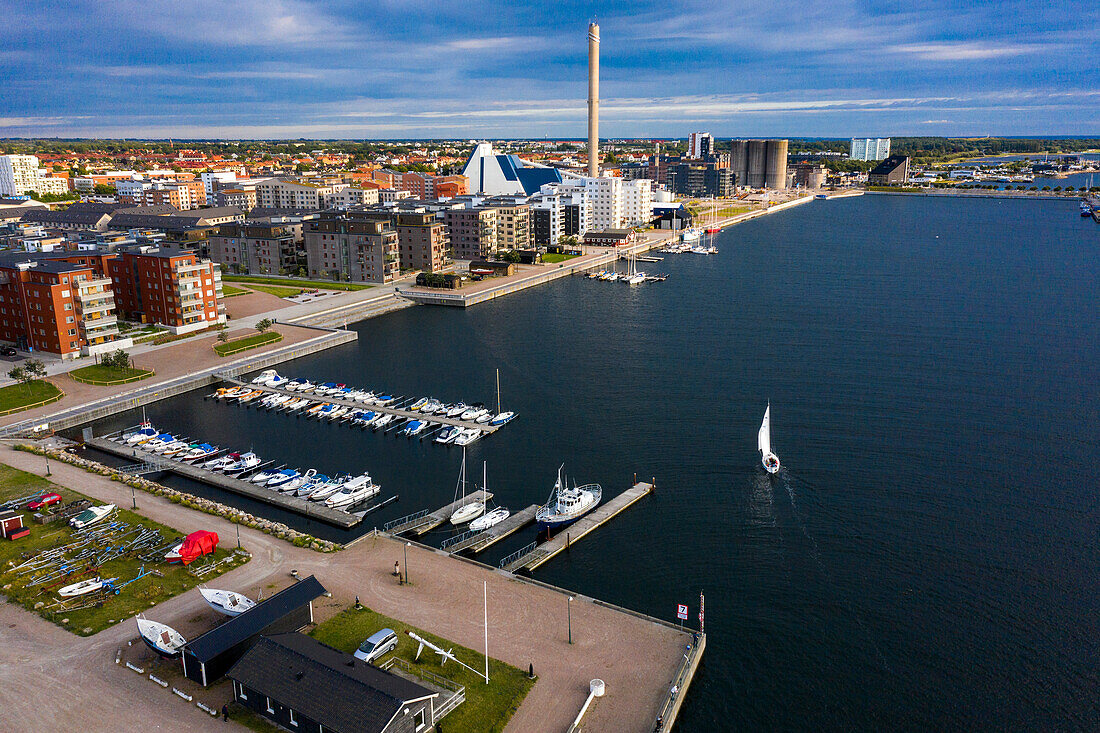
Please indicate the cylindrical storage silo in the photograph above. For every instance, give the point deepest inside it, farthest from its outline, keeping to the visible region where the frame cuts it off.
(777, 164)
(739, 161)
(758, 163)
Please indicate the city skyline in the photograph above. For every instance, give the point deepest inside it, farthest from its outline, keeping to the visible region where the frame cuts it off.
(291, 68)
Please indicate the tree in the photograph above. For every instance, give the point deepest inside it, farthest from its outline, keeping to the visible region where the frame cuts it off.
(20, 375)
(117, 359)
(263, 325)
(223, 337)
(103, 189)
(35, 368)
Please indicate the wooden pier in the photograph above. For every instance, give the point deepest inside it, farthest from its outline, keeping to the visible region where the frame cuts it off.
(423, 521)
(485, 428)
(479, 541)
(597, 517)
(311, 509)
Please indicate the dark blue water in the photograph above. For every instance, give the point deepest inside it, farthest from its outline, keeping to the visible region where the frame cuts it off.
(927, 559)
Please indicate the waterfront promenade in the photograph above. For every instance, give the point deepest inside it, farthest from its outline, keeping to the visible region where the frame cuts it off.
(639, 659)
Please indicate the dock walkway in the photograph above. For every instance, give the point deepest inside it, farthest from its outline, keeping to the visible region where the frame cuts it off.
(485, 428)
(305, 507)
(597, 517)
(479, 541)
(421, 522)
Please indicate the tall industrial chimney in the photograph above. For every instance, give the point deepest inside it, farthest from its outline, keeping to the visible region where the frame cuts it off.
(593, 100)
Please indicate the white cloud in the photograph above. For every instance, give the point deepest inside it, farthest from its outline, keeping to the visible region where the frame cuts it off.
(966, 50)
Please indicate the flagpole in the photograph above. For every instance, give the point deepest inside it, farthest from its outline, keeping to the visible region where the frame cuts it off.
(485, 599)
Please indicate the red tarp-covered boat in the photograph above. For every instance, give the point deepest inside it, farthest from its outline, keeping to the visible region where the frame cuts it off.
(194, 546)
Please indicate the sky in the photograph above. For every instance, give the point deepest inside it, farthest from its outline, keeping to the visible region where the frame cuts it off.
(410, 69)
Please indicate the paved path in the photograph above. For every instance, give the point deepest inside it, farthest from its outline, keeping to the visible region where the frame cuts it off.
(636, 657)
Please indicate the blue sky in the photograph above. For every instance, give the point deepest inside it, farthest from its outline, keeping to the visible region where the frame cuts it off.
(471, 69)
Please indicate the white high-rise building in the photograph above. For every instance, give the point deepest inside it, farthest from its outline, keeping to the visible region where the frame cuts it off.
(213, 180)
(700, 144)
(637, 201)
(869, 148)
(606, 198)
(19, 174)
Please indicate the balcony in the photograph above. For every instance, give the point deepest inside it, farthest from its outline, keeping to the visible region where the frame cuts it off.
(83, 285)
(97, 305)
(86, 295)
(99, 322)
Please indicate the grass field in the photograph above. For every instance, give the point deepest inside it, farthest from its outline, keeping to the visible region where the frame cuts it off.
(488, 707)
(21, 396)
(109, 374)
(229, 291)
(279, 291)
(734, 210)
(291, 282)
(248, 342)
(134, 598)
(551, 259)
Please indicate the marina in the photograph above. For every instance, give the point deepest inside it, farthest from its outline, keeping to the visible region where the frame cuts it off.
(531, 557)
(151, 462)
(420, 522)
(474, 541)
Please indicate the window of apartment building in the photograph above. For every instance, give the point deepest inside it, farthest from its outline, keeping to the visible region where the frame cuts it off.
(72, 331)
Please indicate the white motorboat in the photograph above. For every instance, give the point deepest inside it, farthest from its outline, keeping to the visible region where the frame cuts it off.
(364, 396)
(490, 519)
(769, 460)
(306, 386)
(316, 482)
(174, 447)
(566, 505)
(338, 413)
(293, 384)
(443, 409)
(161, 441)
(447, 434)
(415, 407)
(319, 492)
(173, 556)
(691, 234)
(472, 414)
(265, 377)
(466, 510)
(247, 461)
(278, 477)
(484, 418)
(415, 427)
(84, 587)
(200, 452)
(226, 601)
(502, 418)
(262, 477)
(161, 638)
(296, 482)
(359, 489)
(457, 409)
(383, 420)
(90, 516)
(431, 406)
(467, 436)
(221, 462)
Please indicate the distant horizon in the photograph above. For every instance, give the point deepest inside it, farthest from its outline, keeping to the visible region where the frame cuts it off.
(466, 140)
(303, 69)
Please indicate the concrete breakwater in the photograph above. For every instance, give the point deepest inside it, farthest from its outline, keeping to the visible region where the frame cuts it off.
(146, 394)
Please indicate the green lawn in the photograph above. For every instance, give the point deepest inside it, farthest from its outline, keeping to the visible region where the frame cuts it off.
(551, 259)
(292, 282)
(246, 343)
(134, 598)
(16, 397)
(278, 291)
(229, 291)
(488, 707)
(734, 210)
(109, 374)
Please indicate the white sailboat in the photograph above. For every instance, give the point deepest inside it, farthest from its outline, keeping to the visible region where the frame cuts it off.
(465, 512)
(161, 638)
(226, 601)
(764, 443)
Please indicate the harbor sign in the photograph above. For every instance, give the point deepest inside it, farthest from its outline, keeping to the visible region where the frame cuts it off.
(681, 611)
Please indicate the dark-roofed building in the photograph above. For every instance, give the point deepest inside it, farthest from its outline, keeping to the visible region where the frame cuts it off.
(303, 685)
(209, 657)
(890, 172)
(611, 238)
(68, 219)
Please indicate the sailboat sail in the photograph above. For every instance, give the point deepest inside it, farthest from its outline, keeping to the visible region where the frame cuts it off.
(764, 437)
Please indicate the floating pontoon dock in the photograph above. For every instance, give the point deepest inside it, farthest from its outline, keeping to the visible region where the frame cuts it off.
(422, 521)
(483, 540)
(485, 428)
(155, 462)
(537, 555)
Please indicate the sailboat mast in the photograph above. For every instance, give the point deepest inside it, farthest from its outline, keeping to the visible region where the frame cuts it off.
(498, 391)
(484, 482)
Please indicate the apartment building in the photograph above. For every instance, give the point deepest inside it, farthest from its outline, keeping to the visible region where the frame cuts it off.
(20, 173)
(637, 202)
(351, 246)
(513, 224)
(352, 196)
(426, 185)
(60, 307)
(184, 194)
(423, 243)
(258, 247)
(172, 288)
(605, 195)
(286, 193)
(244, 199)
(473, 232)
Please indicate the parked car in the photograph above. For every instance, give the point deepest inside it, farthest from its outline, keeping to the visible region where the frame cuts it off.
(377, 644)
(8, 351)
(44, 501)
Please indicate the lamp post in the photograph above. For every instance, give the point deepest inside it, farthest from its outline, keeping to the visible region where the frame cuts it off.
(407, 546)
(569, 612)
(48, 464)
(133, 497)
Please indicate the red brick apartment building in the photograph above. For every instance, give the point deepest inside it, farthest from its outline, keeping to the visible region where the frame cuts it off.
(69, 303)
(174, 289)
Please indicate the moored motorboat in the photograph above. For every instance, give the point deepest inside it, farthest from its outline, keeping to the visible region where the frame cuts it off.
(490, 519)
(502, 418)
(567, 505)
(90, 516)
(246, 462)
(221, 462)
(143, 433)
(265, 377)
(226, 601)
(457, 409)
(416, 406)
(414, 427)
(382, 421)
(351, 494)
(447, 434)
(161, 638)
(467, 436)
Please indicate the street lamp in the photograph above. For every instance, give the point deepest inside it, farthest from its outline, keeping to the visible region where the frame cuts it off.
(48, 465)
(407, 546)
(569, 611)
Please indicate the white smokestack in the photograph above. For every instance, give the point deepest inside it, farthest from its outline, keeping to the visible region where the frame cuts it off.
(593, 100)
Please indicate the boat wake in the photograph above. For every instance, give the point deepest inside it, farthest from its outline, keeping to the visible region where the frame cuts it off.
(785, 477)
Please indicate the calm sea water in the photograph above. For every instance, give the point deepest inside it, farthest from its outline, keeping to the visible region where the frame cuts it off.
(927, 558)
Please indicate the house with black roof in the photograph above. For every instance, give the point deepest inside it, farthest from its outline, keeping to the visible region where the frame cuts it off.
(890, 172)
(300, 684)
(207, 658)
